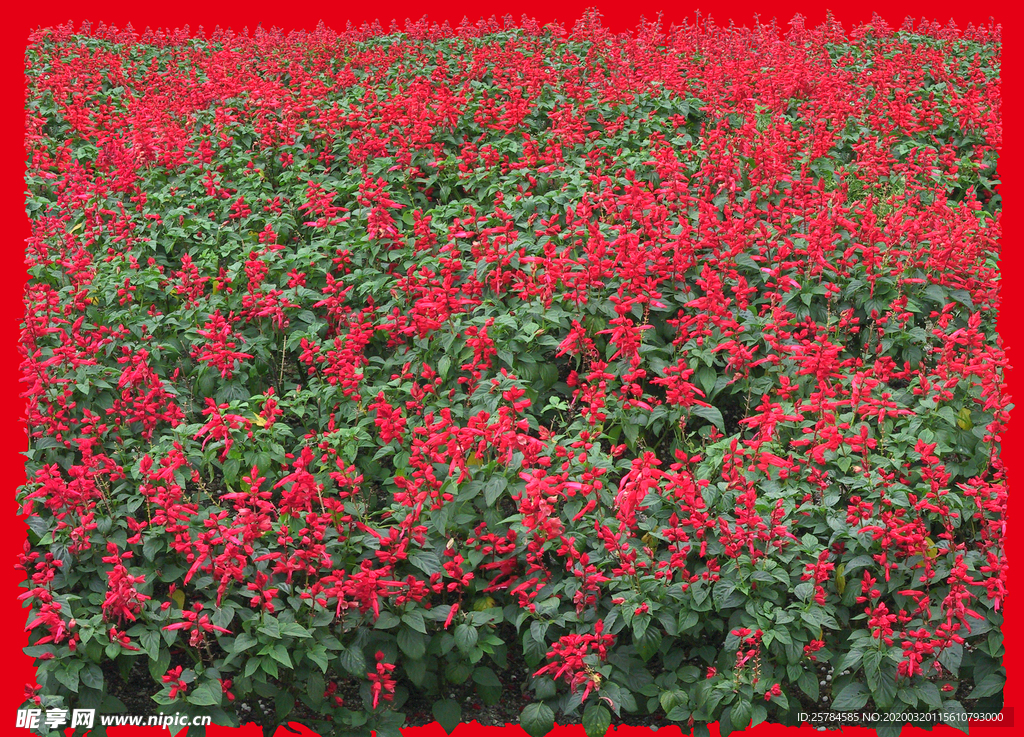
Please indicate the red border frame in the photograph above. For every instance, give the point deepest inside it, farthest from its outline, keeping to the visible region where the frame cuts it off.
(619, 16)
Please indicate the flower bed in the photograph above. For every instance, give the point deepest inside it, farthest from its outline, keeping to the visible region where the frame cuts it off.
(366, 369)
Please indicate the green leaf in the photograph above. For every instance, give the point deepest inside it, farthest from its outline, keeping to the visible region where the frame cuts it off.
(318, 655)
(458, 672)
(612, 695)
(534, 650)
(640, 624)
(726, 595)
(739, 715)
(284, 702)
(851, 698)
(208, 693)
(415, 620)
(537, 719)
(711, 414)
(545, 688)
(91, 676)
(946, 413)
(632, 433)
(647, 646)
(448, 714)
(890, 728)
(954, 715)
(486, 677)
(67, 678)
(412, 643)
(271, 627)
(426, 560)
(725, 727)
(386, 621)
(872, 661)
(706, 377)
(596, 720)
(951, 657)
(416, 670)
(850, 661)
(465, 637)
(669, 700)
(252, 665)
(817, 617)
(884, 692)
(159, 666)
(149, 641)
(808, 683)
(928, 692)
(280, 653)
(315, 688)
(243, 642)
(353, 660)
(294, 629)
(493, 489)
(988, 686)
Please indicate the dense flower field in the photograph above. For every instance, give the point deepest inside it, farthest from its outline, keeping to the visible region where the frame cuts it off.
(368, 369)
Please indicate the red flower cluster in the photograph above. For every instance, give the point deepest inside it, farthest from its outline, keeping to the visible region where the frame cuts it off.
(382, 684)
(391, 344)
(574, 657)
